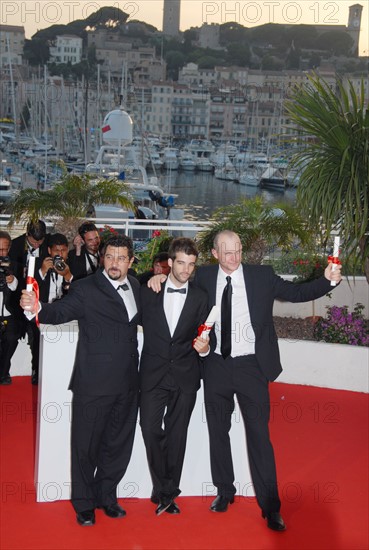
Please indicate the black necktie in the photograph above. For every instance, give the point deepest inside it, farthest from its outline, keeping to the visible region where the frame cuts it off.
(180, 290)
(124, 286)
(226, 320)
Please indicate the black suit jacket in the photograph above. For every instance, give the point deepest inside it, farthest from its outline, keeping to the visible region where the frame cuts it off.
(263, 286)
(107, 356)
(18, 254)
(77, 264)
(161, 351)
(11, 298)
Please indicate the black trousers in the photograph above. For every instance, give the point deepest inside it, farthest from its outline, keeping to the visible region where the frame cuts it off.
(165, 413)
(241, 377)
(9, 337)
(103, 430)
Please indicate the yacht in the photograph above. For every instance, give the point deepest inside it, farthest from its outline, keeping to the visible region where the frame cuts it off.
(249, 176)
(227, 172)
(170, 158)
(187, 161)
(202, 150)
(7, 192)
(273, 178)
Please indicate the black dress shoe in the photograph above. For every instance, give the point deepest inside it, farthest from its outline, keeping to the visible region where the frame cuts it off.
(274, 520)
(220, 504)
(154, 498)
(163, 506)
(173, 509)
(114, 511)
(86, 518)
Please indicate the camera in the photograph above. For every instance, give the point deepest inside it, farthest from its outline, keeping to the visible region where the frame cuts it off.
(4, 271)
(59, 263)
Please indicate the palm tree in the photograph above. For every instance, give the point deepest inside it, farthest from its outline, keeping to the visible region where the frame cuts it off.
(71, 199)
(260, 226)
(334, 162)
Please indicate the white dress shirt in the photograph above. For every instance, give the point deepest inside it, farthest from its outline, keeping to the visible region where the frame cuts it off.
(56, 285)
(173, 304)
(126, 295)
(243, 336)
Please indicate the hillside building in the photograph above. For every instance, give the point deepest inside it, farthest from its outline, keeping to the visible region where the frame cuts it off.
(68, 49)
(12, 40)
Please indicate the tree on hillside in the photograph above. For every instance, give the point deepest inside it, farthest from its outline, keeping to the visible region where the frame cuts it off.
(334, 161)
(238, 54)
(336, 42)
(232, 32)
(303, 36)
(36, 51)
(108, 17)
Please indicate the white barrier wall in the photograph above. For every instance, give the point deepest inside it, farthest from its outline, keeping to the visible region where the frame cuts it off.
(348, 293)
(52, 468)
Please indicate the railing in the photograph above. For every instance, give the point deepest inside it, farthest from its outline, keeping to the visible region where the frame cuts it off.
(137, 229)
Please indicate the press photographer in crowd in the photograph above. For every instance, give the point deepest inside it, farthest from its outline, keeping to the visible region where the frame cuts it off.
(54, 277)
(9, 300)
(33, 243)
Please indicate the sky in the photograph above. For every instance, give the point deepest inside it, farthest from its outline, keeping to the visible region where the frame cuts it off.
(249, 13)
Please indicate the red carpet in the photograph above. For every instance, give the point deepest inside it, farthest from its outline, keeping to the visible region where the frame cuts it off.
(321, 443)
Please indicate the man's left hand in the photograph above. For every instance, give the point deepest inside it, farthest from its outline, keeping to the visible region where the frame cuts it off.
(333, 272)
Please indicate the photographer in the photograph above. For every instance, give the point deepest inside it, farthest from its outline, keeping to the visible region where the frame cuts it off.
(54, 276)
(32, 243)
(9, 298)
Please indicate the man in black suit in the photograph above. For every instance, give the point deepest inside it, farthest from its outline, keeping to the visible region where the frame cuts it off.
(54, 276)
(84, 259)
(170, 370)
(104, 379)
(32, 243)
(10, 272)
(243, 360)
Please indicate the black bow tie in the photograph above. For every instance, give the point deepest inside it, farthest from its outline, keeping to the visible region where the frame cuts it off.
(124, 286)
(180, 290)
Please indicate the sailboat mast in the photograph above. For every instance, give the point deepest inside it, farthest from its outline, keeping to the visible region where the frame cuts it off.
(12, 88)
(45, 121)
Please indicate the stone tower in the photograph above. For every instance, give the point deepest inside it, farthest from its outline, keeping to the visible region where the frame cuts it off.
(171, 17)
(353, 27)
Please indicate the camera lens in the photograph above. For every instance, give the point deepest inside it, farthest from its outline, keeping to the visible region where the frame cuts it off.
(59, 263)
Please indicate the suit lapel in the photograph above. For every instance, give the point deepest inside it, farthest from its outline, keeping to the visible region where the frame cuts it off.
(108, 289)
(187, 311)
(162, 318)
(250, 293)
(212, 286)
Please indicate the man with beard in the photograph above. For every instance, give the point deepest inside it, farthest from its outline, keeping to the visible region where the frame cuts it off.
(170, 370)
(104, 380)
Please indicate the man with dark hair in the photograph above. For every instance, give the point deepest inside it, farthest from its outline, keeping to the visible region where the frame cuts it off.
(159, 265)
(104, 381)
(170, 371)
(32, 243)
(54, 276)
(9, 308)
(84, 259)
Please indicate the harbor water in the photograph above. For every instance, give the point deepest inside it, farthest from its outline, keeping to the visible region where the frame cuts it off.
(200, 193)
